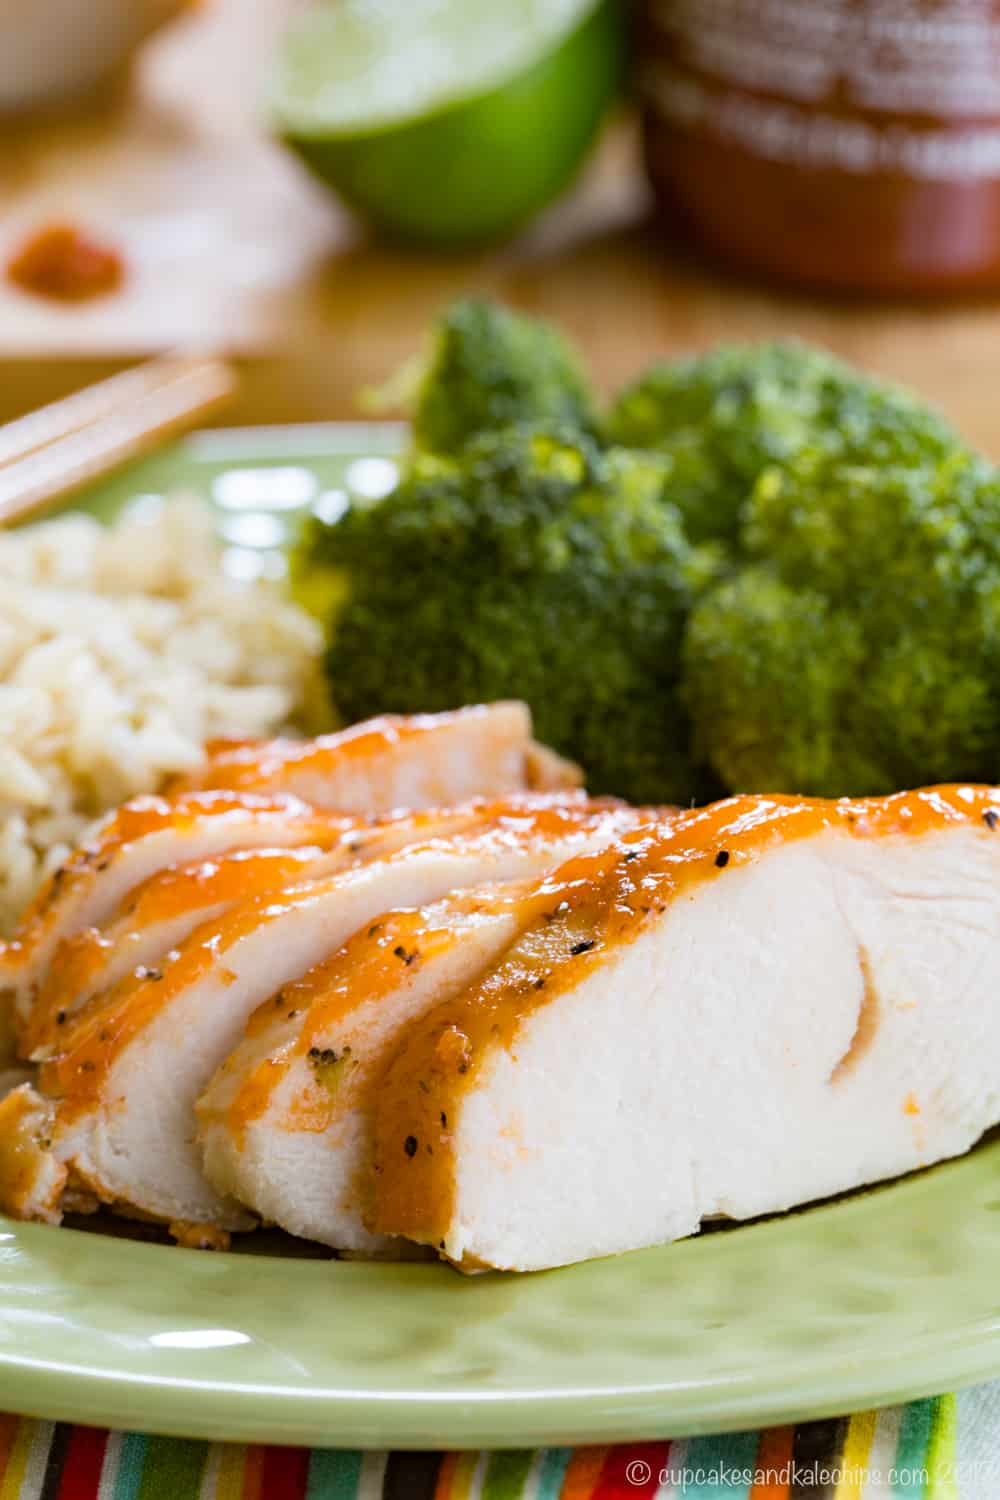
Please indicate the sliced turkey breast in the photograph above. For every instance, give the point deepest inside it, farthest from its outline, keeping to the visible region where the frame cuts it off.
(285, 1124)
(141, 838)
(133, 1060)
(368, 769)
(766, 1002)
(159, 914)
(422, 760)
(154, 918)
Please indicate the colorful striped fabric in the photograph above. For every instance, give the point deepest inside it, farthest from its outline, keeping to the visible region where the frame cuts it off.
(942, 1449)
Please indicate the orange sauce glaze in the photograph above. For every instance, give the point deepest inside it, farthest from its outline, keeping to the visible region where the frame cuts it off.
(368, 967)
(360, 839)
(22, 1160)
(139, 819)
(102, 1029)
(94, 1038)
(579, 916)
(175, 892)
(247, 763)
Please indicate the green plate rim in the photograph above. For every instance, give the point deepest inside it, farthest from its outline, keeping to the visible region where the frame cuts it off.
(246, 1395)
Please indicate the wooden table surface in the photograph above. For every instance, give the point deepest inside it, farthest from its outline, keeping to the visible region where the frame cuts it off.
(230, 245)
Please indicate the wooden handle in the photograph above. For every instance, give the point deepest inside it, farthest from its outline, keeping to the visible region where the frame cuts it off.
(61, 448)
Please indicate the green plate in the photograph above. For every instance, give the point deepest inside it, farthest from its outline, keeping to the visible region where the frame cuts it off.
(876, 1299)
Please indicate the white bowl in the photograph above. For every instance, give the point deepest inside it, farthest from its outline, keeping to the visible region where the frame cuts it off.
(53, 49)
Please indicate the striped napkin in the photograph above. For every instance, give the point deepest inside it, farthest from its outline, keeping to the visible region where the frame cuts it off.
(947, 1448)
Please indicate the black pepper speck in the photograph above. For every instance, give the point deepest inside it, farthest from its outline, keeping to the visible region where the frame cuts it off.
(322, 1056)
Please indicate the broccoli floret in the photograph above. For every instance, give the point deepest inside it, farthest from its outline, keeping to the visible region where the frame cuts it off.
(770, 678)
(858, 650)
(723, 417)
(491, 368)
(536, 566)
(925, 533)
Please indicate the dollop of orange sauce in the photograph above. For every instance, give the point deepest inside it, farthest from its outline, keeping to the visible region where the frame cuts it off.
(577, 920)
(64, 264)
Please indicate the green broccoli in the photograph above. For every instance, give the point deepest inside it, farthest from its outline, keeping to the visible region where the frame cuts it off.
(858, 649)
(535, 566)
(763, 569)
(491, 368)
(722, 418)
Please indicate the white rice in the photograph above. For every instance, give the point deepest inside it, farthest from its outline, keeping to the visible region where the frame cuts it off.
(122, 650)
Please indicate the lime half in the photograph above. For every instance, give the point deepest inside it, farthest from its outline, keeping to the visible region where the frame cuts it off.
(447, 121)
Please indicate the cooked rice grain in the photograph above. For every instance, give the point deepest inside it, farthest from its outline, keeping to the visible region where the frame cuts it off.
(122, 650)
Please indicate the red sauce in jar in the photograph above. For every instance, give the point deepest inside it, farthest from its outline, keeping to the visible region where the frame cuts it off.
(846, 143)
(65, 265)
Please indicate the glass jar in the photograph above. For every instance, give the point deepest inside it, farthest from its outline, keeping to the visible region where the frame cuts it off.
(845, 143)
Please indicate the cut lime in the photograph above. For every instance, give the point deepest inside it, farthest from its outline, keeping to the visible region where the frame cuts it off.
(447, 121)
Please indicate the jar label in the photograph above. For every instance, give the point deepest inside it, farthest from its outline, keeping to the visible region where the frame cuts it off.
(910, 86)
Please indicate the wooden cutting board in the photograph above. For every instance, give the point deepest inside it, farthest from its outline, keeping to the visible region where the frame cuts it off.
(230, 245)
